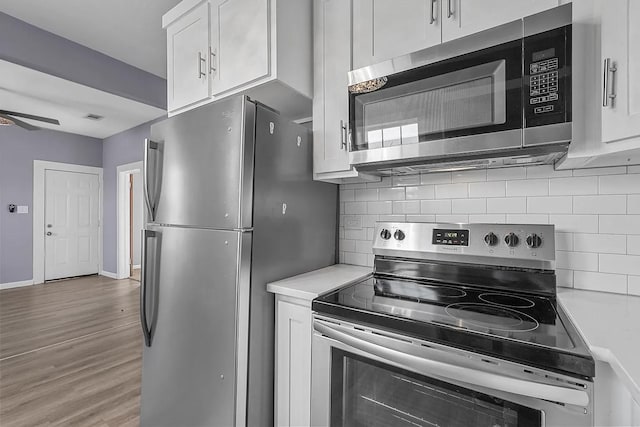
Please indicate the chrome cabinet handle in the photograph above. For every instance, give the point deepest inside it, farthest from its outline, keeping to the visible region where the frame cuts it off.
(432, 16)
(449, 10)
(201, 60)
(343, 135)
(146, 328)
(212, 60)
(455, 372)
(151, 208)
(609, 70)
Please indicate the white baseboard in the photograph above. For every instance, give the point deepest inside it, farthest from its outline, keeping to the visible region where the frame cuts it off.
(109, 274)
(136, 266)
(16, 284)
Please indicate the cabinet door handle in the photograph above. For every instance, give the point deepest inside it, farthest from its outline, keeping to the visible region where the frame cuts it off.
(212, 60)
(201, 60)
(609, 70)
(449, 10)
(343, 135)
(432, 16)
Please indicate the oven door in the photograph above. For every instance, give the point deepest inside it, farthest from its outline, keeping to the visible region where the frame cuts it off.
(469, 104)
(367, 377)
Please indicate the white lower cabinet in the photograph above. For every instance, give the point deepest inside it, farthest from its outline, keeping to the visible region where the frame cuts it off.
(614, 405)
(293, 362)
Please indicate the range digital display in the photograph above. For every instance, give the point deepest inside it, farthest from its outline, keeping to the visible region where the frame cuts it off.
(450, 237)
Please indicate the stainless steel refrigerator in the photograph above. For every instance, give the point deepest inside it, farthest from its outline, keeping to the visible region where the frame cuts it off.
(231, 206)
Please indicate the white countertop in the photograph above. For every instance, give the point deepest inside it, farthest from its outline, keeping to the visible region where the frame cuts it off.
(307, 286)
(610, 325)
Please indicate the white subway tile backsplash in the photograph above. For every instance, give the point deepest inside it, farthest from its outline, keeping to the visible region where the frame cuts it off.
(575, 223)
(435, 206)
(487, 189)
(505, 174)
(573, 186)
(620, 224)
(633, 245)
(405, 180)
(620, 264)
(551, 205)
(436, 178)
(616, 170)
(487, 218)
(633, 285)
(600, 243)
(507, 205)
(545, 171)
(469, 176)
(354, 208)
(469, 206)
(527, 219)
(596, 213)
(392, 193)
(633, 204)
(583, 261)
(381, 207)
(452, 191)
(600, 204)
(420, 192)
(620, 184)
(528, 187)
(406, 207)
(603, 282)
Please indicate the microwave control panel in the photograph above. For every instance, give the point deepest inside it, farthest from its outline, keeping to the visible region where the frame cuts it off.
(547, 78)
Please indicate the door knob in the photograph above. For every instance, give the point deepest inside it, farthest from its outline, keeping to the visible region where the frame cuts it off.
(49, 233)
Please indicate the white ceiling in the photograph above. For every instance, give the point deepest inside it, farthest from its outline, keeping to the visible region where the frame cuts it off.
(28, 91)
(128, 30)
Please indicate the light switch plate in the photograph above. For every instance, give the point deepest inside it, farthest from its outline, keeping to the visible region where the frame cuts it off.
(23, 209)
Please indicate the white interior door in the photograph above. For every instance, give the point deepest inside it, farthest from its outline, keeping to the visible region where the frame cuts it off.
(71, 224)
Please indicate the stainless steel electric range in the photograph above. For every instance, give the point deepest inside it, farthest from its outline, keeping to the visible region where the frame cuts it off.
(457, 326)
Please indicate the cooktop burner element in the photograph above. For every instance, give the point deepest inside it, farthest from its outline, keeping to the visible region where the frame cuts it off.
(446, 283)
(491, 318)
(506, 300)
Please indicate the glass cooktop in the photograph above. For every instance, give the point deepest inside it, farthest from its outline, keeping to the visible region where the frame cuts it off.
(521, 327)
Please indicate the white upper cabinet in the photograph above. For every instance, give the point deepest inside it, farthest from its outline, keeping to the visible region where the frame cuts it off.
(620, 51)
(383, 29)
(187, 58)
(464, 17)
(240, 42)
(262, 48)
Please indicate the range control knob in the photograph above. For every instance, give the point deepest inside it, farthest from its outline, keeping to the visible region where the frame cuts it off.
(534, 241)
(511, 240)
(385, 234)
(491, 239)
(398, 235)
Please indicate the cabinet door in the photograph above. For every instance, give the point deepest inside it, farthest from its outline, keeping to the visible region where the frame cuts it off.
(187, 50)
(240, 40)
(331, 63)
(293, 352)
(620, 34)
(383, 29)
(464, 17)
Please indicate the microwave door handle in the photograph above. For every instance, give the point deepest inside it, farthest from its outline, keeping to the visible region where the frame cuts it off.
(459, 373)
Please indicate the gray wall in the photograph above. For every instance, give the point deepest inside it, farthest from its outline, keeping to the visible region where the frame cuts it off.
(138, 216)
(122, 148)
(18, 149)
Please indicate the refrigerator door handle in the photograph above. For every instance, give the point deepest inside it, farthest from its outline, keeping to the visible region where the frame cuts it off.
(151, 207)
(146, 328)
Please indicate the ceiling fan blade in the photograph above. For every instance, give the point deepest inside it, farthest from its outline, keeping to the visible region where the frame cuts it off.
(29, 116)
(23, 125)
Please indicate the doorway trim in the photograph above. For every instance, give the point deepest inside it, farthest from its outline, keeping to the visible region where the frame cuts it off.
(123, 171)
(39, 169)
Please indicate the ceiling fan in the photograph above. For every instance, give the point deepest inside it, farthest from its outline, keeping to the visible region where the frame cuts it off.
(9, 118)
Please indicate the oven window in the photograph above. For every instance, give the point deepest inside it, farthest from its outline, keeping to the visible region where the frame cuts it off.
(369, 393)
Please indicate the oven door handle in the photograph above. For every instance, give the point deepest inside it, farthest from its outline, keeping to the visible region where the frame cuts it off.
(459, 373)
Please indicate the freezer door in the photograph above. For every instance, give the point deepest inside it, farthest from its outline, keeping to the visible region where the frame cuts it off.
(191, 286)
(199, 166)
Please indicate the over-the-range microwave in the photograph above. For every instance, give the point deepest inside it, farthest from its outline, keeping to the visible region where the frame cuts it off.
(500, 97)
